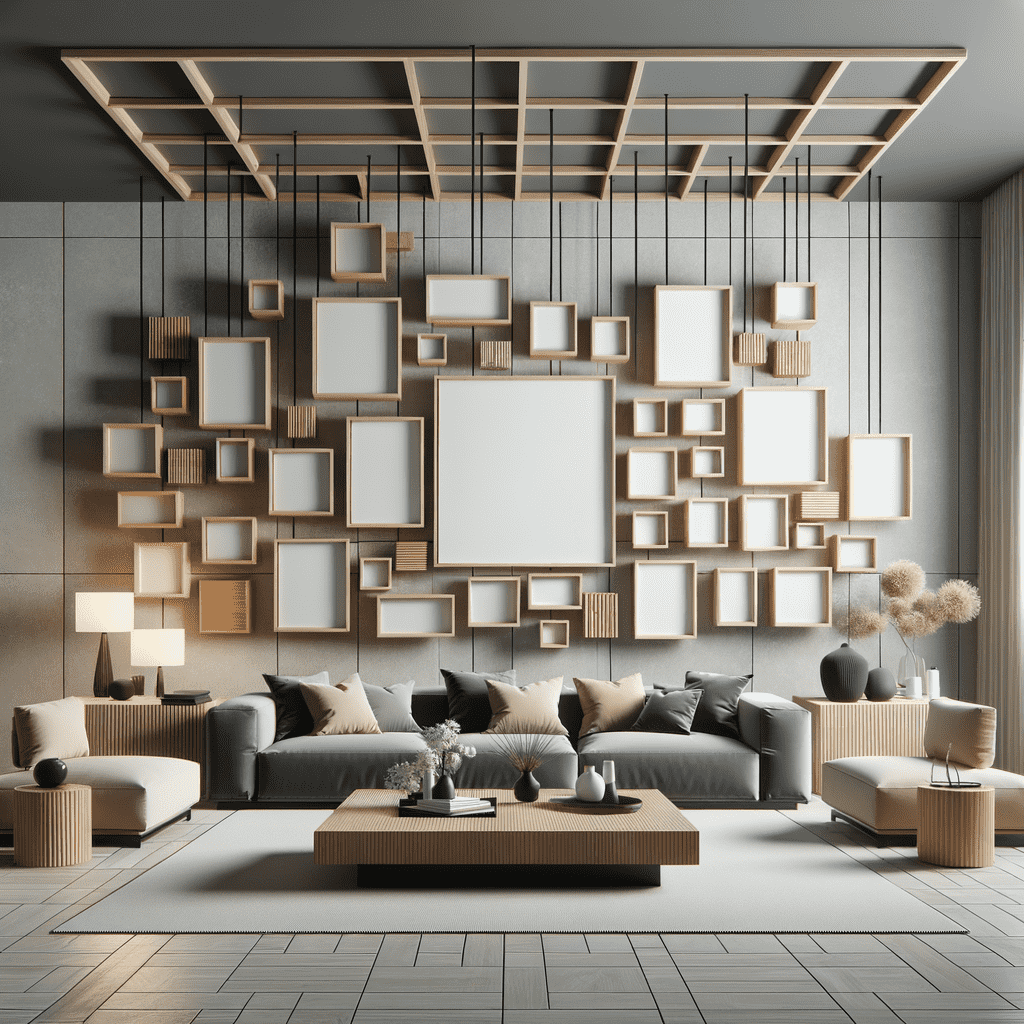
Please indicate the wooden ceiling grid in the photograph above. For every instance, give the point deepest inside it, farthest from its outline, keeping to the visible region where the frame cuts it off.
(798, 110)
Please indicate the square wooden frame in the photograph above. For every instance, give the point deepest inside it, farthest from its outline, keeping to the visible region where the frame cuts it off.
(778, 579)
(389, 344)
(689, 539)
(443, 317)
(642, 566)
(536, 349)
(253, 528)
(250, 455)
(782, 505)
(683, 335)
(157, 441)
(275, 312)
(211, 389)
(662, 518)
(836, 543)
(821, 541)
(510, 583)
(720, 618)
(375, 272)
(533, 605)
(353, 486)
(422, 360)
(604, 324)
(799, 324)
(183, 569)
(219, 591)
(341, 571)
(560, 630)
(772, 431)
(274, 454)
(175, 498)
(168, 410)
(363, 563)
(852, 443)
(658, 403)
(715, 403)
(704, 449)
(448, 599)
(670, 454)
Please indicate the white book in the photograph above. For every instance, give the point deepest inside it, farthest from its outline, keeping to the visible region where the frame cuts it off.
(457, 804)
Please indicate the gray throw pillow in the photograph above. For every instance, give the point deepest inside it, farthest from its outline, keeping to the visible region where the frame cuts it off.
(293, 717)
(718, 709)
(668, 711)
(392, 706)
(468, 702)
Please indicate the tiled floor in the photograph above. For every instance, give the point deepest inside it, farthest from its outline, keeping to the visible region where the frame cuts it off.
(515, 979)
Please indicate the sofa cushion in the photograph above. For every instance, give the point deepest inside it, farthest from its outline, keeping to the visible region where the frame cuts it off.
(392, 706)
(610, 705)
(529, 709)
(293, 717)
(339, 710)
(718, 708)
(468, 703)
(668, 711)
(491, 768)
(967, 731)
(54, 728)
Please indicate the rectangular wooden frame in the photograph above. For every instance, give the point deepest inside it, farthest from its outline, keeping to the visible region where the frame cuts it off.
(836, 543)
(276, 456)
(380, 474)
(778, 579)
(167, 501)
(718, 404)
(537, 349)
(632, 474)
(682, 337)
(216, 391)
(602, 325)
(219, 592)
(535, 605)
(688, 595)
(660, 518)
(110, 430)
(364, 563)
(799, 323)
(340, 581)
(275, 312)
(690, 538)
(715, 452)
(510, 583)
(444, 318)
(354, 344)
(428, 360)
(902, 488)
(377, 271)
(168, 410)
(517, 495)
(746, 504)
(659, 404)
(442, 599)
(773, 432)
(721, 594)
(250, 455)
(253, 531)
(182, 572)
(557, 631)
(797, 541)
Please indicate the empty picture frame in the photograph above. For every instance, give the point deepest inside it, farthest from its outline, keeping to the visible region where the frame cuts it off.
(794, 305)
(168, 396)
(703, 417)
(384, 456)
(234, 383)
(358, 252)
(431, 349)
(650, 530)
(650, 474)
(554, 591)
(764, 522)
(415, 615)
(808, 536)
(800, 597)
(469, 300)
(524, 471)
(229, 540)
(706, 462)
(735, 597)
(706, 523)
(357, 349)
(374, 573)
(554, 633)
(609, 339)
(132, 449)
(235, 460)
(266, 300)
(878, 476)
(692, 336)
(150, 510)
(311, 586)
(650, 417)
(301, 481)
(162, 570)
(553, 330)
(225, 606)
(492, 601)
(783, 436)
(664, 600)
(853, 554)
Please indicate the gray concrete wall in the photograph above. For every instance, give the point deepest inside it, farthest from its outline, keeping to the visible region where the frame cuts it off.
(71, 359)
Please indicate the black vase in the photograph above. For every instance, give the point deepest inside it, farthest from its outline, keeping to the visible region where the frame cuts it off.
(50, 773)
(444, 788)
(881, 685)
(844, 675)
(121, 689)
(527, 789)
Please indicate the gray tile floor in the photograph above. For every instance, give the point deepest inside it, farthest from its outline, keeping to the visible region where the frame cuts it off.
(512, 979)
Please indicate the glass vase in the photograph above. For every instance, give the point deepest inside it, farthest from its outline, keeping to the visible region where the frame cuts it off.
(910, 665)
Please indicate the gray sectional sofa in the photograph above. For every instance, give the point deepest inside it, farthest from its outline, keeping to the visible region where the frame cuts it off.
(769, 766)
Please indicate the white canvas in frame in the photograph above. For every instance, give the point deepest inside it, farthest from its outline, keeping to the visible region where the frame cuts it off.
(234, 383)
(783, 436)
(664, 600)
(800, 597)
(356, 349)
(385, 471)
(735, 597)
(311, 586)
(879, 476)
(692, 336)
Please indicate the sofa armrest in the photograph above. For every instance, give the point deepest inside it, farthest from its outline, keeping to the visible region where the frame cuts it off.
(780, 731)
(236, 731)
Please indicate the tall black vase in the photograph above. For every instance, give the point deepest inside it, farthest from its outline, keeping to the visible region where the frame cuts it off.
(527, 788)
(844, 675)
(444, 788)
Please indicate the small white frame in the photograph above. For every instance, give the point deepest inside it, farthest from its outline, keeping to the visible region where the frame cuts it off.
(794, 305)
(554, 634)
(374, 573)
(554, 591)
(301, 481)
(764, 522)
(404, 616)
(234, 453)
(703, 417)
(150, 510)
(609, 339)
(706, 523)
(664, 600)
(692, 336)
(707, 462)
(853, 554)
(132, 450)
(808, 537)
(431, 349)
(234, 384)
(229, 540)
(800, 598)
(357, 349)
(358, 252)
(492, 601)
(168, 396)
(650, 530)
(384, 461)
(879, 477)
(651, 474)
(735, 597)
(468, 300)
(162, 570)
(650, 417)
(553, 330)
(783, 436)
(311, 585)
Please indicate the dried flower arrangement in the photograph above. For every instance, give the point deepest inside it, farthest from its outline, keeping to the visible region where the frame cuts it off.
(443, 757)
(524, 751)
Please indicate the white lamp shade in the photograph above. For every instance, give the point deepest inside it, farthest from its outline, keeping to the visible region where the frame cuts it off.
(104, 613)
(158, 647)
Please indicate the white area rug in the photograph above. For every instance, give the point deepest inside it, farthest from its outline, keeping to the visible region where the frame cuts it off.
(760, 871)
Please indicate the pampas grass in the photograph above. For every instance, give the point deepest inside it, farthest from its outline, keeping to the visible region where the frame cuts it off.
(903, 579)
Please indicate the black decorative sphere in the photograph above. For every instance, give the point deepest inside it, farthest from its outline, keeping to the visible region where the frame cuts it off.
(50, 772)
(881, 685)
(844, 675)
(121, 689)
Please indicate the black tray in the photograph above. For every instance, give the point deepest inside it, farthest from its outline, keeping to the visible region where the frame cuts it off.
(407, 809)
(626, 805)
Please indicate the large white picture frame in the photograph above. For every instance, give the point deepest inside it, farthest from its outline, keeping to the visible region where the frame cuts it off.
(735, 600)
(664, 600)
(879, 476)
(783, 436)
(469, 300)
(800, 597)
(692, 336)
(300, 481)
(234, 384)
(311, 586)
(384, 459)
(357, 349)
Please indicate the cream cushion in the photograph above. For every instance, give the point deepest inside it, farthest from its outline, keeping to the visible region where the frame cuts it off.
(339, 710)
(967, 731)
(881, 792)
(532, 709)
(129, 794)
(55, 728)
(610, 706)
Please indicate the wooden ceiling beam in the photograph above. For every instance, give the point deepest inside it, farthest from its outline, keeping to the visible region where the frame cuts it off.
(412, 81)
(622, 124)
(521, 100)
(693, 165)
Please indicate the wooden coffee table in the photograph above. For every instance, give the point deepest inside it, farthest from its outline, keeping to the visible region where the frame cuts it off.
(569, 846)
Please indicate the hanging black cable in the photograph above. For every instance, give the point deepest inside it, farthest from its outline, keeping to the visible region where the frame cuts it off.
(369, 183)
(317, 236)
(796, 219)
(869, 302)
(636, 263)
(481, 202)
(142, 329)
(783, 230)
(228, 201)
(241, 260)
(705, 230)
(472, 162)
(551, 205)
(163, 251)
(880, 304)
(808, 213)
(206, 233)
(746, 172)
(666, 188)
(559, 250)
(277, 213)
(423, 233)
(398, 219)
(611, 245)
(730, 221)
(295, 267)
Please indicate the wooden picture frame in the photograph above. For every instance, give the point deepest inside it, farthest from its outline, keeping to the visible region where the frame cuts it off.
(266, 300)
(150, 510)
(651, 474)
(415, 616)
(782, 436)
(707, 462)
(650, 417)
(301, 481)
(735, 597)
(168, 396)
(800, 598)
(232, 455)
(509, 487)
(703, 417)
(234, 384)
(225, 606)
(853, 554)
(358, 252)
(374, 573)
(764, 522)
(468, 300)
(692, 336)
(794, 305)
(357, 349)
(554, 591)
(650, 530)
(553, 333)
(229, 540)
(431, 349)
(808, 537)
(161, 569)
(879, 477)
(706, 523)
(311, 585)
(384, 463)
(492, 602)
(664, 600)
(133, 450)
(609, 339)
(554, 634)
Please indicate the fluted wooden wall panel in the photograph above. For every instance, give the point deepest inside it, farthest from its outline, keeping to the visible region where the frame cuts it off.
(169, 337)
(302, 421)
(186, 466)
(52, 827)
(411, 556)
(816, 505)
(751, 349)
(495, 355)
(791, 358)
(956, 827)
(600, 615)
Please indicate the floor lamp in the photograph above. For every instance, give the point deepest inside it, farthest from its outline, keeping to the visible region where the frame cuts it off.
(103, 614)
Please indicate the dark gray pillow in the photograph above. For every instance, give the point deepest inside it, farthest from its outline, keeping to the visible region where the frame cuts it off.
(468, 702)
(392, 706)
(718, 710)
(293, 717)
(668, 711)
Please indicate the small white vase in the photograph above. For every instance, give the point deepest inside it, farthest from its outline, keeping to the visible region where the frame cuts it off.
(427, 784)
(590, 785)
(910, 666)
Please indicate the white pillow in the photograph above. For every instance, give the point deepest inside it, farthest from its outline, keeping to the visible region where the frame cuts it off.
(53, 729)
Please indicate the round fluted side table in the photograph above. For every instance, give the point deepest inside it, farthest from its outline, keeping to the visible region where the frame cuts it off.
(956, 828)
(52, 827)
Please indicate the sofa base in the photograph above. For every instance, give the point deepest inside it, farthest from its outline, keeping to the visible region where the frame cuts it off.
(894, 837)
(126, 840)
(685, 803)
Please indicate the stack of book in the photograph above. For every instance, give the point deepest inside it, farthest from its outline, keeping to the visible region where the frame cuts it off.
(186, 697)
(454, 807)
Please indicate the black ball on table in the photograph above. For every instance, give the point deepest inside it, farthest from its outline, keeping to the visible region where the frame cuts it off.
(50, 773)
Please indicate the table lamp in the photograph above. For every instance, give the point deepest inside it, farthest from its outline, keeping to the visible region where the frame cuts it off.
(103, 614)
(158, 647)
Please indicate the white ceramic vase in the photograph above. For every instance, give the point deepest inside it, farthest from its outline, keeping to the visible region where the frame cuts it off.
(590, 785)
(909, 667)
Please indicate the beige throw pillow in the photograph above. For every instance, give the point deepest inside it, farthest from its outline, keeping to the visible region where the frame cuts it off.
(970, 728)
(610, 706)
(340, 710)
(53, 729)
(529, 709)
